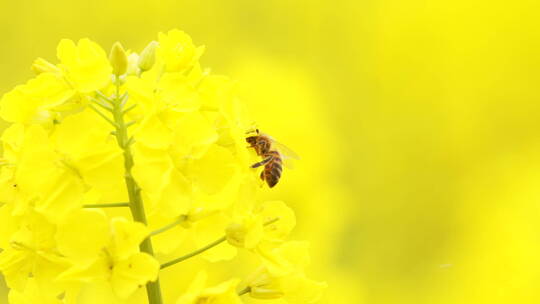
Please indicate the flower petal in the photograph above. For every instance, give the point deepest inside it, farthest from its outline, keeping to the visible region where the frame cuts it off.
(85, 64)
(133, 273)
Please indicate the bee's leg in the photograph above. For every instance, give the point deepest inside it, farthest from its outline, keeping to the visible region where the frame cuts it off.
(263, 162)
(262, 175)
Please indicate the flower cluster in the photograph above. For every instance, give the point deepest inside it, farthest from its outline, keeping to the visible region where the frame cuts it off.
(113, 164)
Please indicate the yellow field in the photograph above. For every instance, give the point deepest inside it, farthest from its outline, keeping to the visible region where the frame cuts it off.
(418, 124)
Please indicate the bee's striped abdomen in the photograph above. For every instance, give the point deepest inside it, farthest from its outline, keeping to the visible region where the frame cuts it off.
(272, 170)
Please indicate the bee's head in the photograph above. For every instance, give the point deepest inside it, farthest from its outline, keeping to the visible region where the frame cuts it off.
(252, 140)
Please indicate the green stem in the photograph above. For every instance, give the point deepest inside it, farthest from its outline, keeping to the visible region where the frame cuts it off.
(209, 246)
(194, 253)
(169, 226)
(103, 116)
(111, 205)
(244, 291)
(153, 289)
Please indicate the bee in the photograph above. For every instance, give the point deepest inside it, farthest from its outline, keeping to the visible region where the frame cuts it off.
(273, 154)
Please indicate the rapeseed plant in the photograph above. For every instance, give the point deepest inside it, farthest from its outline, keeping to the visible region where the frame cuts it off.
(153, 133)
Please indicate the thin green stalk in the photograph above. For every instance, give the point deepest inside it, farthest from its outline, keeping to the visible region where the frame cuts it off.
(244, 291)
(130, 108)
(203, 249)
(103, 116)
(194, 253)
(169, 226)
(153, 289)
(105, 106)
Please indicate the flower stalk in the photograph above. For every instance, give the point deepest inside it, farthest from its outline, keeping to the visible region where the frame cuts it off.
(134, 191)
(203, 249)
(194, 253)
(178, 221)
(244, 291)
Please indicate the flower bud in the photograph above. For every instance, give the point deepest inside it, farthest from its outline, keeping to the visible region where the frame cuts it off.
(262, 286)
(148, 56)
(118, 59)
(263, 293)
(41, 65)
(133, 64)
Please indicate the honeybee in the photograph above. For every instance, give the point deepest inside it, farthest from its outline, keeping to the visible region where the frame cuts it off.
(273, 154)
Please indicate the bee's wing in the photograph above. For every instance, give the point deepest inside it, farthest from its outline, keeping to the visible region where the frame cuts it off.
(285, 151)
(288, 156)
(287, 162)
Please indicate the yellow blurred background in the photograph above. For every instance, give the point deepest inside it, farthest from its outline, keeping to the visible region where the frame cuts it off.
(418, 124)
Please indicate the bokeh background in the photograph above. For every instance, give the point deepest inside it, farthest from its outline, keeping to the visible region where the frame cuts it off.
(418, 123)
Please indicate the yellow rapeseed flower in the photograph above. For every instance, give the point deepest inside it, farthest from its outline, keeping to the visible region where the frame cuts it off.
(282, 276)
(32, 294)
(35, 100)
(110, 254)
(224, 293)
(85, 65)
(176, 51)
